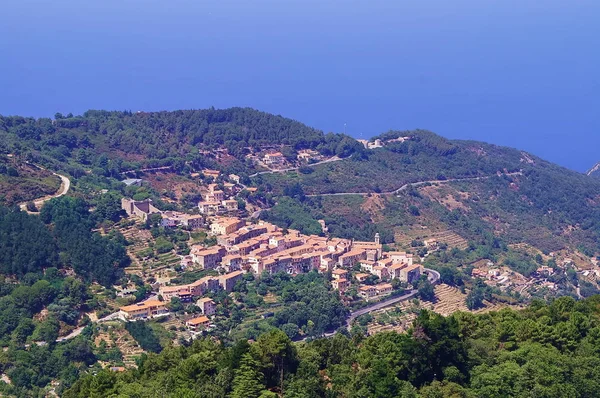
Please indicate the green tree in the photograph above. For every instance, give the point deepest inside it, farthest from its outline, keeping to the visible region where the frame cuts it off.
(425, 288)
(248, 381)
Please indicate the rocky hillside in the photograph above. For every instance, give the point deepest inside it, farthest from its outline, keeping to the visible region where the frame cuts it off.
(594, 171)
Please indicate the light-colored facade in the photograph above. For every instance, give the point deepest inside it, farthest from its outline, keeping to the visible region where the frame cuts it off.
(384, 288)
(228, 281)
(141, 209)
(367, 292)
(207, 306)
(144, 310)
(199, 323)
(226, 226)
(339, 273)
(209, 208)
(340, 285)
(207, 258)
(276, 158)
(411, 273)
(347, 260)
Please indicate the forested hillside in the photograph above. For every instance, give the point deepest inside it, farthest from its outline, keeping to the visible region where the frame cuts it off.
(61, 237)
(544, 351)
(112, 142)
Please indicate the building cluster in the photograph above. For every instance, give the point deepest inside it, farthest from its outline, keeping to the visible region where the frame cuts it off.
(186, 293)
(244, 247)
(308, 155)
(216, 201)
(141, 209)
(264, 247)
(501, 277)
(274, 159)
(144, 209)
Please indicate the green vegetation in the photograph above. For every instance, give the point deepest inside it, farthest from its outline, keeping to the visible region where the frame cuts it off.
(425, 157)
(112, 142)
(92, 256)
(21, 182)
(31, 358)
(144, 335)
(306, 306)
(289, 213)
(545, 350)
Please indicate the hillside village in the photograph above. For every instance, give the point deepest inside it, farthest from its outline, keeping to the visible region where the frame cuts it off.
(257, 248)
(359, 271)
(336, 236)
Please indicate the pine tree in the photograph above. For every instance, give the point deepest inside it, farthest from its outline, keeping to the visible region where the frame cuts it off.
(248, 381)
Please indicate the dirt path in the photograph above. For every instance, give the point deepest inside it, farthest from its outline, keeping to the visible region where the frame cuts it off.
(415, 184)
(64, 188)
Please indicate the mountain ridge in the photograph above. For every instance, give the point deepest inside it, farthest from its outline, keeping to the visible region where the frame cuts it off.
(594, 171)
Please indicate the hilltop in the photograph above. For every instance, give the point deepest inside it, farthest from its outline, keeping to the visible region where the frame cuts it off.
(507, 192)
(427, 179)
(113, 142)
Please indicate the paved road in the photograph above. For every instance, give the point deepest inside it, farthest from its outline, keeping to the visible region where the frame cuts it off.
(379, 305)
(414, 184)
(77, 332)
(149, 169)
(434, 278)
(64, 188)
(333, 159)
(257, 213)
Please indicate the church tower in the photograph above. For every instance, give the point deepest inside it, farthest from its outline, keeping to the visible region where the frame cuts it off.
(377, 238)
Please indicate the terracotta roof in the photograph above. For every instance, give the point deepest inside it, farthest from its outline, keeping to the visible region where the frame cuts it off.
(231, 275)
(198, 321)
(142, 305)
(384, 286)
(206, 300)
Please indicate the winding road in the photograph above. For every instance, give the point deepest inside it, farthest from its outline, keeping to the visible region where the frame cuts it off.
(416, 184)
(64, 188)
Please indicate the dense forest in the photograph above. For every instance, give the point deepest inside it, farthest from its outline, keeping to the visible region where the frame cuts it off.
(61, 237)
(113, 142)
(544, 351)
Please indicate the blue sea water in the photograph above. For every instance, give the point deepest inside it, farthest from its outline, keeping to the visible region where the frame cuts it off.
(519, 73)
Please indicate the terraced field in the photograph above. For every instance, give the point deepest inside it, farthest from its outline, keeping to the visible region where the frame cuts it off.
(451, 238)
(143, 257)
(448, 300)
(124, 341)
